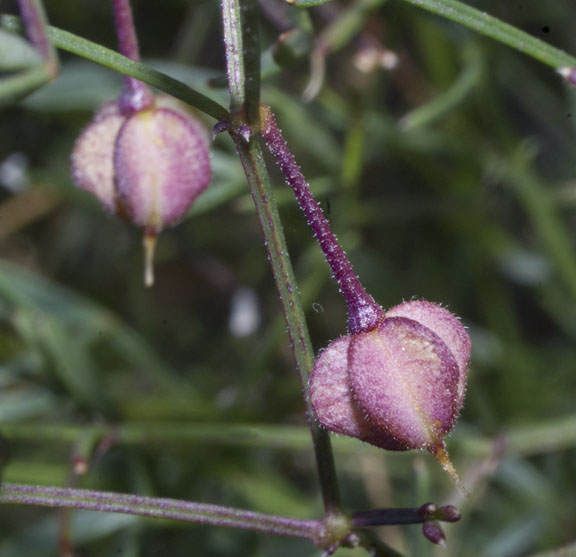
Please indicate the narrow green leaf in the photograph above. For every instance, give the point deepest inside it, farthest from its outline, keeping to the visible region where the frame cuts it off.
(106, 57)
(307, 3)
(496, 29)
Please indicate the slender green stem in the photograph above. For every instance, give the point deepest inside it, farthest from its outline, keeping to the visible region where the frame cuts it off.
(496, 29)
(257, 175)
(243, 85)
(111, 59)
(155, 507)
(234, 46)
(486, 25)
(307, 3)
(242, 44)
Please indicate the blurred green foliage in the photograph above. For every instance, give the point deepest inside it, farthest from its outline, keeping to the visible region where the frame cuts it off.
(449, 177)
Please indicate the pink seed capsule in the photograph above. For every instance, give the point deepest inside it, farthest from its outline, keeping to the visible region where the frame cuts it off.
(93, 156)
(399, 386)
(148, 166)
(333, 399)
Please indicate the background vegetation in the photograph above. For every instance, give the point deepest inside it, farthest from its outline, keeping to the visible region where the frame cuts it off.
(449, 177)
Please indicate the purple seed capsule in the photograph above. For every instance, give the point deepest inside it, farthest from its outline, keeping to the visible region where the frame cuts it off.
(399, 386)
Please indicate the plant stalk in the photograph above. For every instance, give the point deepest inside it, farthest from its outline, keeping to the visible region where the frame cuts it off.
(154, 507)
(242, 57)
(364, 314)
(109, 58)
(254, 167)
(136, 96)
(35, 22)
(498, 30)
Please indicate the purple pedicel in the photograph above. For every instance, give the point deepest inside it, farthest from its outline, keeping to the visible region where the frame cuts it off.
(34, 21)
(364, 314)
(135, 95)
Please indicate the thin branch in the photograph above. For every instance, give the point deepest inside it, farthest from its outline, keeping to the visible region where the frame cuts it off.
(494, 28)
(234, 46)
(158, 508)
(239, 61)
(486, 25)
(115, 61)
(256, 173)
(364, 314)
(135, 95)
(34, 19)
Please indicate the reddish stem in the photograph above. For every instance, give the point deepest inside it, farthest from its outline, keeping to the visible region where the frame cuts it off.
(136, 95)
(364, 314)
(201, 513)
(35, 23)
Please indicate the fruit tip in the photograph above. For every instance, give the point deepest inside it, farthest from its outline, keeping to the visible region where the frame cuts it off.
(441, 455)
(149, 248)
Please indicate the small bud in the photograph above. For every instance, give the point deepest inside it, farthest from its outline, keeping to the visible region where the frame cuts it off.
(245, 132)
(399, 386)
(148, 166)
(433, 532)
(448, 513)
(427, 510)
(220, 127)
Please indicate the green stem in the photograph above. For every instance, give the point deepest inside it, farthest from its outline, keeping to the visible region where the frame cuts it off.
(494, 28)
(155, 507)
(234, 46)
(243, 73)
(486, 25)
(111, 59)
(257, 175)
(242, 56)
